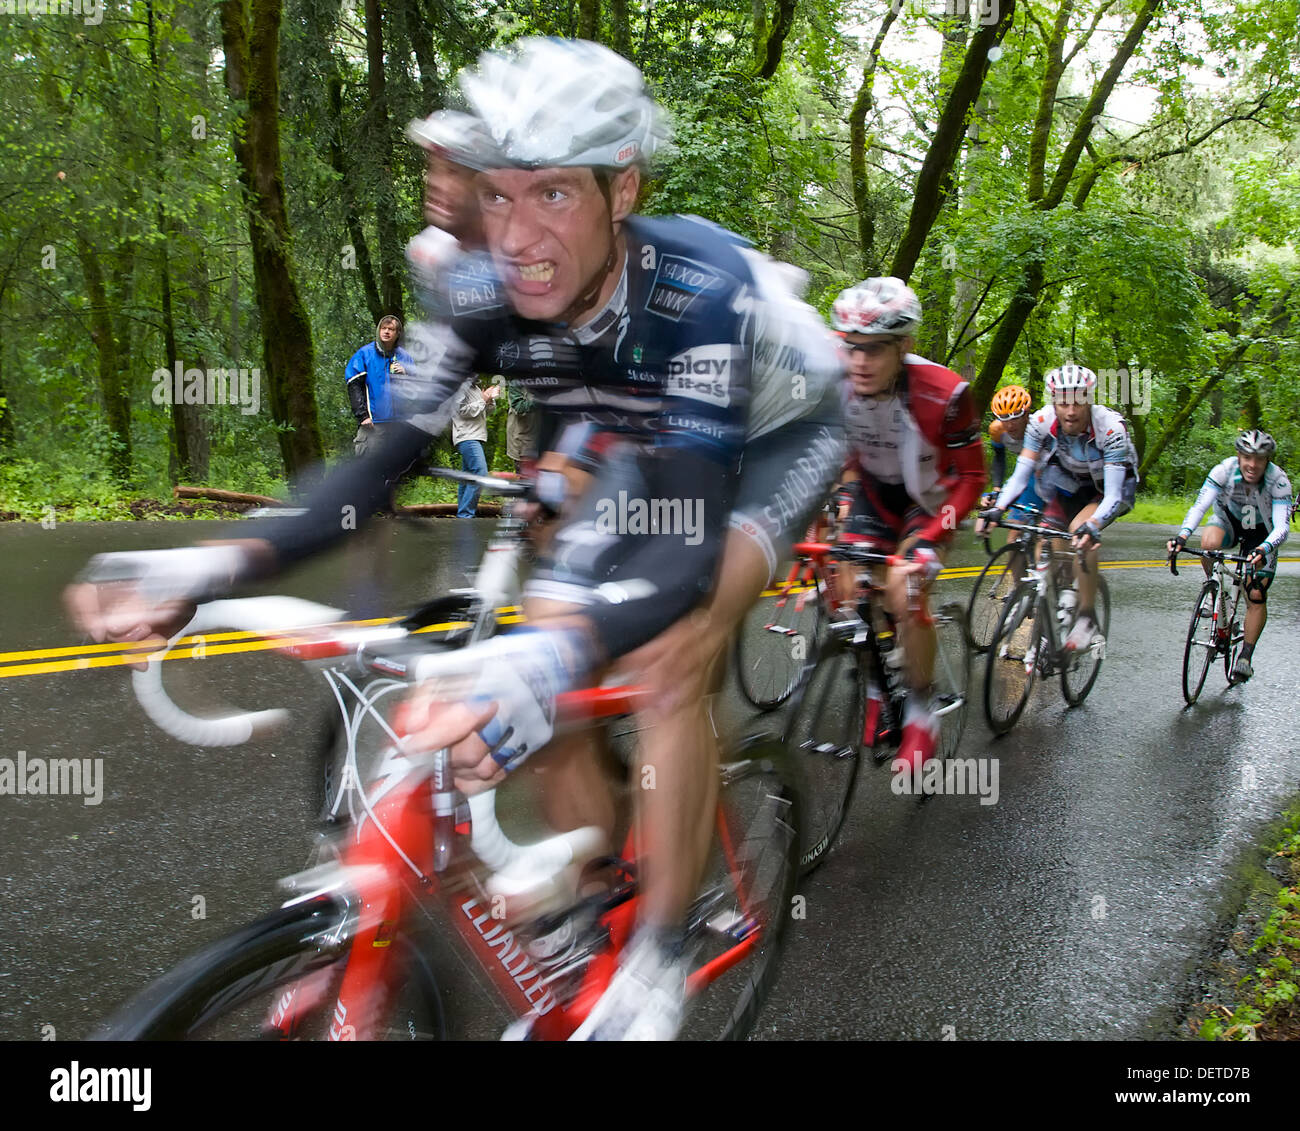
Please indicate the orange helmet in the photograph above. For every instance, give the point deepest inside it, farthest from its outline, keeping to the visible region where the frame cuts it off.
(1010, 402)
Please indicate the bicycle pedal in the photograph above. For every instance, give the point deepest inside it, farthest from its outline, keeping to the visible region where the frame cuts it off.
(733, 925)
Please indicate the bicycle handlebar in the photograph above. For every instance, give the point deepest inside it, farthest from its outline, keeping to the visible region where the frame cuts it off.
(493, 484)
(248, 614)
(1211, 555)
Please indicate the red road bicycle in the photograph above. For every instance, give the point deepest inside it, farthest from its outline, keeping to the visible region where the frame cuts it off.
(546, 922)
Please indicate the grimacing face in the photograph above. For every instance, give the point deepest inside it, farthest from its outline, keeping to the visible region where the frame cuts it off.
(550, 232)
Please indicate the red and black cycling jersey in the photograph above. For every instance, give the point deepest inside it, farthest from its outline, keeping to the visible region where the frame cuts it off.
(920, 444)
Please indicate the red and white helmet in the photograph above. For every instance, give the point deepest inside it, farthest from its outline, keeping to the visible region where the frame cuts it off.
(877, 306)
(1070, 378)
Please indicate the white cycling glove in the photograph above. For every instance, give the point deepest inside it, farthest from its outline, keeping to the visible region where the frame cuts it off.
(189, 573)
(524, 673)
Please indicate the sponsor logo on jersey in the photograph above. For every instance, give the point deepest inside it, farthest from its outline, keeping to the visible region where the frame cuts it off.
(702, 374)
(677, 284)
(507, 354)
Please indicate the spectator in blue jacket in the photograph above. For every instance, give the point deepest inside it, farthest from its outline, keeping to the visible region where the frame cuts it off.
(367, 376)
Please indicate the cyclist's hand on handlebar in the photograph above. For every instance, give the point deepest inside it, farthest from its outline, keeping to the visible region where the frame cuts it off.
(428, 722)
(993, 515)
(923, 559)
(1257, 560)
(1086, 537)
(1176, 545)
(148, 596)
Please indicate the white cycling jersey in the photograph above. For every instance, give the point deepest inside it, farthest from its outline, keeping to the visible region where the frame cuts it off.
(1250, 505)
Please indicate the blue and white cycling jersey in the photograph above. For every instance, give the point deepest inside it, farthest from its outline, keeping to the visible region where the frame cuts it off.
(1252, 507)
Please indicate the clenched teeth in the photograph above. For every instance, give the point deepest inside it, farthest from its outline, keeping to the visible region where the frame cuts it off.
(536, 272)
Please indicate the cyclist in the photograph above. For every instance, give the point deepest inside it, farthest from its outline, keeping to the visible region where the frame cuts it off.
(1010, 407)
(915, 467)
(1088, 477)
(1242, 490)
(641, 340)
(457, 148)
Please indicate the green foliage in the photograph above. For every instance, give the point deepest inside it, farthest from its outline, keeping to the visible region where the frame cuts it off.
(1174, 261)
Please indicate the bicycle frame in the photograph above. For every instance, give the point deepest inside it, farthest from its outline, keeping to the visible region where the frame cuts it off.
(392, 859)
(1042, 572)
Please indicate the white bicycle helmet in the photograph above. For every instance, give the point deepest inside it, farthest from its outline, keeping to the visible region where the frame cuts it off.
(877, 306)
(1254, 442)
(1070, 378)
(458, 137)
(565, 102)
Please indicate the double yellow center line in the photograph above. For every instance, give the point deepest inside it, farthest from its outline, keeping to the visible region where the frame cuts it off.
(42, 661)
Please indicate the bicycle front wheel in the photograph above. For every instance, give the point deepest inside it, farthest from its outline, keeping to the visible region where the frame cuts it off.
(278, 979)
(825, 735)
(996, 582)
(736, 926)
(1013, 660)
(776, 641)
(1080, 671)
(1201, 647)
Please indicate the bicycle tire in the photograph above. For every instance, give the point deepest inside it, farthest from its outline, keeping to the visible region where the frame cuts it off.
(952, 672)
(987, 599)
(749, 883)
(1202, 615)
(776, 643)
(1236, 637)
(1078, 663)
(227, 990)
(825, 734)
(1020, 629)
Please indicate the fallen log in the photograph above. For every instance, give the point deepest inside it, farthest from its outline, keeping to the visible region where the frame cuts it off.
(239, 498)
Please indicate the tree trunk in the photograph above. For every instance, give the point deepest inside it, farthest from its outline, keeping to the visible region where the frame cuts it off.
(622, 28)
(338, 159)
(589, 19)
(390, 249)
(773, 36)
(862, 105)
(1008, 332)
(936, 171)
(252, 76)
(117, 408)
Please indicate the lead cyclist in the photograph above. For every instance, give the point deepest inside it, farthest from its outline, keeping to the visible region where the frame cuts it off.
(666, 354)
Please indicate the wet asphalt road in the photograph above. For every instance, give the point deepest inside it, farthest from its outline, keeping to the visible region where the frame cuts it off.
(1079, 906)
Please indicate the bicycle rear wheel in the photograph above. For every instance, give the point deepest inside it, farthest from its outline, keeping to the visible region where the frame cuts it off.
(825, 734)
(994, 585)
(952, 665)
(1080, 670)
(777, 640)
(1013, 660)
(736, 926)
(1201, 646)
(238, 987)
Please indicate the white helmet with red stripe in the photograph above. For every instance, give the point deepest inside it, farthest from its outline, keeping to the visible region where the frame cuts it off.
(877, 306)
